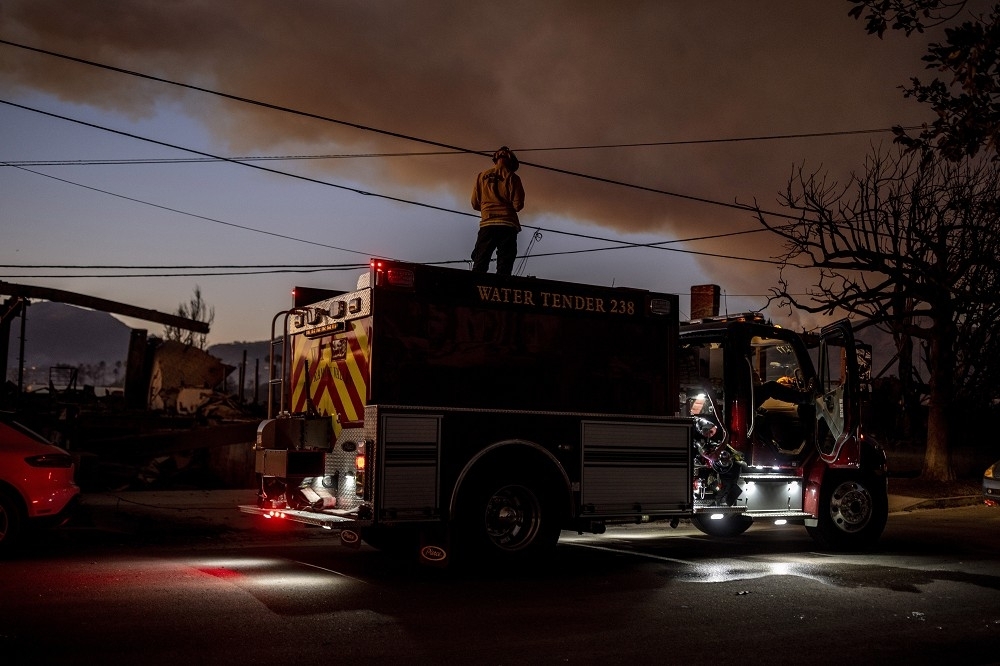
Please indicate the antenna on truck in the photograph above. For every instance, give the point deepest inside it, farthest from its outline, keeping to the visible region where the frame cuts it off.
(537, 236)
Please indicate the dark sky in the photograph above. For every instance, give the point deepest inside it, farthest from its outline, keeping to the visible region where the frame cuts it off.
(532, 75)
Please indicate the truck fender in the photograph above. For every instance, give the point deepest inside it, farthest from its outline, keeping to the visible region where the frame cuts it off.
(813, 485)
(869, 458)
(513, 449)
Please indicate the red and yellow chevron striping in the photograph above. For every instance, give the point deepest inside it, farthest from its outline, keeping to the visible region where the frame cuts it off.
(338, 374)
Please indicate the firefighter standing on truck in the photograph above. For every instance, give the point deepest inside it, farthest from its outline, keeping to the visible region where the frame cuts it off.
(498, 196)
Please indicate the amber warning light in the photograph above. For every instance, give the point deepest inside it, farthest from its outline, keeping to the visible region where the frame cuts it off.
(359, 474)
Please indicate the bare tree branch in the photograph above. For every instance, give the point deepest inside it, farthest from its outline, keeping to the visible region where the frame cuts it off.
(910, 246)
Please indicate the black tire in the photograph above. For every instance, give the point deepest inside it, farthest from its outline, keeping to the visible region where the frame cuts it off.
(852, 513)
(11, 521)
(727, 526)
(507, 516)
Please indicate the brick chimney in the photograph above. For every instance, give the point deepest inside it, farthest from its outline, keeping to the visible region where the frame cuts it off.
(704, 301)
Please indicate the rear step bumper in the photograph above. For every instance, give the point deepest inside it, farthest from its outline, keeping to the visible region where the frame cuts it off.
(325, 519)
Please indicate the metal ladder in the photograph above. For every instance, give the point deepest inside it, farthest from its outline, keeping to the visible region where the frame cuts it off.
(273, 382)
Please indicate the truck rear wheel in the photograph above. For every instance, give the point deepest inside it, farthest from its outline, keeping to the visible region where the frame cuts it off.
(727, 526)
(852, 513)
(508, 516)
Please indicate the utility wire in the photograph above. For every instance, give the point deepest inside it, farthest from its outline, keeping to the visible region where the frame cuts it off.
(449, 147)
(281, 269)
(737, 139)
(609, 181)
(237, 98)
(206, 160)
(249, 269)
(620, 244)
(398, 135)
(226, 159)
(657, 244)
(243, 160)
(183, 267)
(713, 255)
(149, 275)
(340, 156)
(384, 132)
(194, 215)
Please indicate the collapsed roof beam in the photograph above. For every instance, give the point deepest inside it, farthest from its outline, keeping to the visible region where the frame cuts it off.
(102, 304)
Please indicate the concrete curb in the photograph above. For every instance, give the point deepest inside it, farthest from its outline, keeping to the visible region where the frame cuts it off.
(943, 502)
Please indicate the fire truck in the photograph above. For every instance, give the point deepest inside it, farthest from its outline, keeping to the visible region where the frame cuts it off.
(474, 415)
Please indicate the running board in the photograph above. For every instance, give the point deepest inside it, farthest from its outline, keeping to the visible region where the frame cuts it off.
(743, 511)
(727, 510)
(763, 515)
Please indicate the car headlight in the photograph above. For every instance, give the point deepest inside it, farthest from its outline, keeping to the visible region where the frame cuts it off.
(990, 472)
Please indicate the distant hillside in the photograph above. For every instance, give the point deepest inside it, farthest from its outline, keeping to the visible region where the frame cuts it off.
(231, 353)
(60, 334)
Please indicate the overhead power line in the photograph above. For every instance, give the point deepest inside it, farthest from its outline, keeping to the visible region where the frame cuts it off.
(206, 160)
(161, 275)
(735, 139)
(375, 130)
(657, 245)
(194, 215)
(620, 243)
(182, 267)
(226, 159)
(249, 269)
(238, 98)
(428, 153)
(450, 149)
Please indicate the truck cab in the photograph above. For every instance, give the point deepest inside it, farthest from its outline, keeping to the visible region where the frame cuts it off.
(778, 430)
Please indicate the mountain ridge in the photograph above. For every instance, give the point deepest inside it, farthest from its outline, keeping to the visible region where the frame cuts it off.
(58, 334)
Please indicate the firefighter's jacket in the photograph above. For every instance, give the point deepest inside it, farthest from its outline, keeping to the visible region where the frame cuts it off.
(498, 195)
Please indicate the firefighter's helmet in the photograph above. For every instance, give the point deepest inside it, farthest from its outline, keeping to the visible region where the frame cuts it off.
(507, 155)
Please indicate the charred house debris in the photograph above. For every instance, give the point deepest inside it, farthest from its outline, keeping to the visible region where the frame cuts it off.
(167, 425)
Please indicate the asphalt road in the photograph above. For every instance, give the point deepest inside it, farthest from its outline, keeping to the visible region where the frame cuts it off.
(138, 587)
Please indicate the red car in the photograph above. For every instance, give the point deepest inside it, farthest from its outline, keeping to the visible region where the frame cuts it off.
(37, 488)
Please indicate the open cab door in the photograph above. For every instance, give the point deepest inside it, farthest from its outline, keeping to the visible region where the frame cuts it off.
(838, 405)
(853, 499)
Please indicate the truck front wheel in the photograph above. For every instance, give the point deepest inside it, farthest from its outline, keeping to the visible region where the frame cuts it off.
(510, 517)
(852, 513)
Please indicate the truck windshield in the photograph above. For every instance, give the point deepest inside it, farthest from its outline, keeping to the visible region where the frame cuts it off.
(775, 361)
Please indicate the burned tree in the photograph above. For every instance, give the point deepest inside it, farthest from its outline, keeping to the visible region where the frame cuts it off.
(909, 246)
(197, 310)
